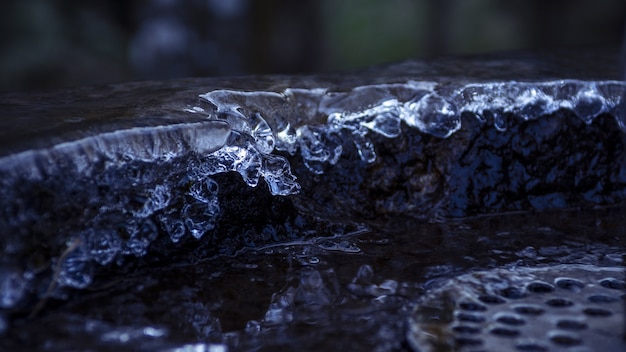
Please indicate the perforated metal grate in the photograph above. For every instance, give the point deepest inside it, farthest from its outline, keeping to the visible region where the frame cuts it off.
(557, 308)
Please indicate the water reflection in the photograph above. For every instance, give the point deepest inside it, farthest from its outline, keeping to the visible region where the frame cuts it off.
(307, 295)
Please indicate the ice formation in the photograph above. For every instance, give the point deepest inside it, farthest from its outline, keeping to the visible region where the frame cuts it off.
(431, 108)
(129, 185)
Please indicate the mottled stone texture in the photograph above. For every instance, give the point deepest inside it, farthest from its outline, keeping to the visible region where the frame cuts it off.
(555, 161)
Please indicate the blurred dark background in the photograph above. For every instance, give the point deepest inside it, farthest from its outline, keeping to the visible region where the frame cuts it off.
(56, 43)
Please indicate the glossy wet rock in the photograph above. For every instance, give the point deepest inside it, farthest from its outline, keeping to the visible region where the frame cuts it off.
(315, 182)
(552, 318)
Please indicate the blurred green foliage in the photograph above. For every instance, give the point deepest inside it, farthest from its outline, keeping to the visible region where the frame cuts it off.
(57, 43)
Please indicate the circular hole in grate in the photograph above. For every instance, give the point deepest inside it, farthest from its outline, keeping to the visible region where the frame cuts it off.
(531, 346)
(597, 312)
(510, 319)
(469, 317)
(569, 284)
(564, 338)
(559, 302)
(467, 329)
(569, 324)
(539, 287)
(491, 299)
(513, 293)
(465, 341)
(613, 283)
(504, 331)
(602, 299)
(529, 309)
(472, 306)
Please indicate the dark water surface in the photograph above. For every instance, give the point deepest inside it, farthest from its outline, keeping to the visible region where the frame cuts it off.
(420, 206)
(351, 292)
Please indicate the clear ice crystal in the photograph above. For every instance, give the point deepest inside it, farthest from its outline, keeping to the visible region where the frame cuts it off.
(532, 103)
(199, 218)
(387, 123)
(432, 108)
(249, 166)
(286, 139)
(236, 120)
(76, 269)
(173, 226)
(262, 134)
(432, 114)
(278, 176)
(364, 146)
(317, 147)
(156, 199)
(141, 232)
(103, 245)
(587, 104)
(498, 120)
(238, 155)
(204, 190)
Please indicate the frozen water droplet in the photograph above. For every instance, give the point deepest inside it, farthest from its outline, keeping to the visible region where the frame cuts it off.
(76, 270)
(174, 227)
(317, 147)
(239, 155)
(286, 139)
(262, 134)
(236, 121)
(205, 190)
(386, 123)
(154, 332)
(141, 233)
(432, 114)
(157, 199)
(103, 246)
(214, 164)
(531, 103)
(588, 104)
(176, 230)
(364, 147)
(277, 174)
(249, 167)
(199, 217)
(12, 286)
(498, 119)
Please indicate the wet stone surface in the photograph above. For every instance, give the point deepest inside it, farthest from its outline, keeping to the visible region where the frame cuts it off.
(306, 295)
(318, 213)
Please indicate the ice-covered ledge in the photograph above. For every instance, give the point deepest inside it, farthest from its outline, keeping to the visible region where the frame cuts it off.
(92, 178)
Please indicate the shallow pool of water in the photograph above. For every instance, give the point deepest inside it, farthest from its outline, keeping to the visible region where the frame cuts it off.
(352, 292)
